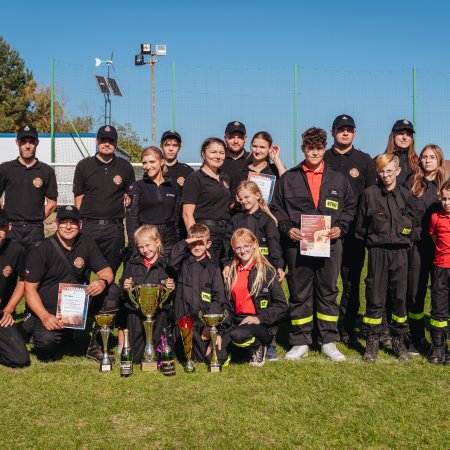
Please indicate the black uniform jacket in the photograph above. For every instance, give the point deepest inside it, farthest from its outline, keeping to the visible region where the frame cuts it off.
(406, 171)
(136, 269)
(292, 198)
(385, 218)
(199, 285)
(270, 302)
(423, 207)
(265, 230)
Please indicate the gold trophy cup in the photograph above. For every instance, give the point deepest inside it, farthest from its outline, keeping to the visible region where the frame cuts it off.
(105, 320)
(148, 298)
(186, 331)
(213, 321)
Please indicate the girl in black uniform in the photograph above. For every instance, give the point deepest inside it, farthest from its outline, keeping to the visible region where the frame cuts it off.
(206, 195)
(146, 266)
(424, 186)
(263, 151)
(154, 200)
(256, 301)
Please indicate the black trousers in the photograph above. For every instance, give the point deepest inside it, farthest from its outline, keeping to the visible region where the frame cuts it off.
(313, 288)
(27, 234)
(169, 237)
(13, 350)
(353, 255)
(110, 239)
(440, 303)
(387, 271)
(420, 267)
(248, 336)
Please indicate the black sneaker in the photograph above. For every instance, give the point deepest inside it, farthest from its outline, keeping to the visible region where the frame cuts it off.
(271, 353)
(258, 356)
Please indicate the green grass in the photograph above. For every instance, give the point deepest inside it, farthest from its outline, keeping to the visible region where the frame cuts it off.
(309, 404)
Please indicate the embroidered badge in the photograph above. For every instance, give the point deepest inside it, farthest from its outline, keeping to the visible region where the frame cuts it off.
(206, 297)
(406, 230)
(69, 208)
(263, 304)
(332, 204)
(354, 172)
(78, 262)
(27, 128)
(236, 124)
(7, 271)
(406, 122)
(117, 179)
(107, 128)
(264, 251)
(37, 182)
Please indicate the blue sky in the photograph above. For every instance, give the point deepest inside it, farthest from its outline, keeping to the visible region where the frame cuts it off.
(235, 61)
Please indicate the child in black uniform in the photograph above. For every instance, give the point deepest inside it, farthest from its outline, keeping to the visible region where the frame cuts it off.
(199, 287)
(144, 267)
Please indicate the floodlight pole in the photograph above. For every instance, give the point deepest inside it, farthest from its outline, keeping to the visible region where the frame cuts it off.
(152, 63)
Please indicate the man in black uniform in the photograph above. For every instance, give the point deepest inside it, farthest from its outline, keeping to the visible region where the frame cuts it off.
(171, 146)
(99, 186)
(359, 169)
(313, 188)
(236, 156)
(13, 351)
(66, 257)
(30, 190)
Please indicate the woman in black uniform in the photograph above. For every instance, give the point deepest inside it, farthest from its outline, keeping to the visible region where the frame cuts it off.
(206, 195)
(154, 200)
(424, 186)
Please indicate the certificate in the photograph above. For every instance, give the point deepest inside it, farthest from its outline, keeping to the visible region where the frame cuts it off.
(72, 305)
(315, 231)
(266, 184)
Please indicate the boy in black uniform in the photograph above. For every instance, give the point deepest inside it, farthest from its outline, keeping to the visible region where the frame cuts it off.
(359, 169)
(66, 257)
(171, 146)
(384, 222)
(13, 351)
(236, 156)
(199, 287)
(28, 183)
(313, 187)
(100, 184)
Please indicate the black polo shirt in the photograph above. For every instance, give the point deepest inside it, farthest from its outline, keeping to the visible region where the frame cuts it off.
(233, 166)
(12, 266)
(211, 197)
(26, 188)
(357, 166)
(178, 172)
(45, 266)
(102, 186)
(406, 171)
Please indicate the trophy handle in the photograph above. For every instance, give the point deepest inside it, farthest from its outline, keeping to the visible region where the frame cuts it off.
(133, 294)
(165, 294)
(200, 316)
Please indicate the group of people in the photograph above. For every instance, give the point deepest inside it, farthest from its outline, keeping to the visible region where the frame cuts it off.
(211, 238)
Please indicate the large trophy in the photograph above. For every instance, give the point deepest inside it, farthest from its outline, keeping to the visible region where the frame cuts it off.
(213, 321)
(185, 325)
(105, 320)
(148, 298)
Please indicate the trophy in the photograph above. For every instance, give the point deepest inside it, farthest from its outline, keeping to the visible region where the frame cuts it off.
(185, 325)
(148, 298)
(213, 321)
(105, 320)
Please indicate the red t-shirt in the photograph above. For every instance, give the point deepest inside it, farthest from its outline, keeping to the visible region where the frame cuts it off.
(241, 296)
(147, 263)
(440, 227)
(314, 178)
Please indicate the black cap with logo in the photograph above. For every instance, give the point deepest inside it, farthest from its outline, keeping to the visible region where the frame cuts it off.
(27, 131)
(107, 131)
(235, 127)
(403, 125)
(68, 212)
(171, 134)
(342, 121)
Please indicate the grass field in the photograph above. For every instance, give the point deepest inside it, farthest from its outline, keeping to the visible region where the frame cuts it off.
(309, 404)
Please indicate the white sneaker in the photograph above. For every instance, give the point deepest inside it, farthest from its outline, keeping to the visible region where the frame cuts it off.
(330, 351)
(297, 352)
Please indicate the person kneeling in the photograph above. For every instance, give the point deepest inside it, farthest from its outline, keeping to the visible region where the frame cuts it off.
(256, 301)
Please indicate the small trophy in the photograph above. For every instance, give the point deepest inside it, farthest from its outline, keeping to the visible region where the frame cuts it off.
(213, 321)
(148, 298)
(185, 325)
(105, 320)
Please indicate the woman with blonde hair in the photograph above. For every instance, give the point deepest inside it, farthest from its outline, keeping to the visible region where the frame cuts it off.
(255, 299)
(424, 185)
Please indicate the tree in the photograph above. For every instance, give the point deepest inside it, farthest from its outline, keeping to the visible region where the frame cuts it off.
(130, 141)
(15, 79)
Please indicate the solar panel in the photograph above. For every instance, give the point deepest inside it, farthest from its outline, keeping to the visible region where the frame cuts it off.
(114, 87)
(104, 88)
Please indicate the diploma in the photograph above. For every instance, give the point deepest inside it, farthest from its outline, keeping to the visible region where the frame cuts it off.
(315, 231)
(72, 305)
(265, 182)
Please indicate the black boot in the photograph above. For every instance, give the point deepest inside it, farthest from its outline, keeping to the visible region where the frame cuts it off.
(94, 350)
(372, 347)
(447, 356)
(398, 346)
(386, 338)
(437, 353)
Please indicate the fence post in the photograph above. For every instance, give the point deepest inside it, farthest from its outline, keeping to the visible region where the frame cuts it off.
(52, 110)
(174, 97)
(295, 111)
(414, 97)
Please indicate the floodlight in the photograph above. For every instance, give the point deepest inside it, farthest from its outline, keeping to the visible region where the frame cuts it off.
(114, 87)
(146, 49)
(102, 84)
(139, 60)
(160, 50)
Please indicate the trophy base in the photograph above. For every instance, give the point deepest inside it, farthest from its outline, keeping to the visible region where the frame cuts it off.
(105, 367)
(215, 369)
(149, 366)
(189, 369)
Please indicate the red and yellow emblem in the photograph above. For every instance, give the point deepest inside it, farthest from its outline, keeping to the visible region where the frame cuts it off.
(37, 182)
(78, 262)
(354, 172)
(7, 271)
(117, 179)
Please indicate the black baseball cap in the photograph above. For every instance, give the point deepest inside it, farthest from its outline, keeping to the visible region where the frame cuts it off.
(68, 212)
(235, 127)
(172, 134)
(107, 131)
(4, 221)
(27, 131)
(344, 120)
(403, 125)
